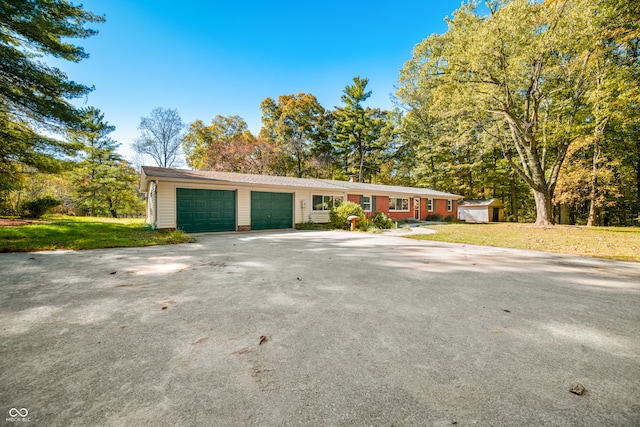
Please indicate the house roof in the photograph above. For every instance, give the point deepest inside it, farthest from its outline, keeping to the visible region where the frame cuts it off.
(480, 202)
(150, 173)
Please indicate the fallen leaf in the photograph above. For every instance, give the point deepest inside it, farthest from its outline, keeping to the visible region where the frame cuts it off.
(263, 339)
(113, 272)
(506, 311)
(172, 302)
(578, 389)
(164, 307)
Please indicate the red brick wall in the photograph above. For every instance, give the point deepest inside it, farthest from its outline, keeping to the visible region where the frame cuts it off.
(382, 205)
(440, 207)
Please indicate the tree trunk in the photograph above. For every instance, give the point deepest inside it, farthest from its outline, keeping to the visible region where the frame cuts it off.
(543, 207)
(361, 173)
(594, 187)
(514, 199)
(637, 212)
(112, 209)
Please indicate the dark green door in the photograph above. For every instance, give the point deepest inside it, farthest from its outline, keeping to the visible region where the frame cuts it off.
(271, 210)
(205, 210)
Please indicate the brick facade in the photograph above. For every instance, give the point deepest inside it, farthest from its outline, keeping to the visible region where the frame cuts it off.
(382, 205)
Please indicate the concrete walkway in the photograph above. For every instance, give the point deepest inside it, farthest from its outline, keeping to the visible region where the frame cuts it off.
(318, 328)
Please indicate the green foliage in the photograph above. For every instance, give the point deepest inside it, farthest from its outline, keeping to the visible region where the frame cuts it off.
(382, 221)
(34, 97)
(311, 226)
(338, 216)
(38, 207)
(85, 233)
(514, 80)
(359, 129)
(297, 125)
(104, 183)
(436, 217)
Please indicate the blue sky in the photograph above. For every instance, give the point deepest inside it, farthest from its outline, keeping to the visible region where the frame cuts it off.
(206, 58)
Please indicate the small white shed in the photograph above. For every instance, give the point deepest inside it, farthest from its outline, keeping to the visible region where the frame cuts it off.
(485, 210)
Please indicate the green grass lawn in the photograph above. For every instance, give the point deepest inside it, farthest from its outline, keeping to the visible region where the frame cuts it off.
(622, 243)
(67, 232)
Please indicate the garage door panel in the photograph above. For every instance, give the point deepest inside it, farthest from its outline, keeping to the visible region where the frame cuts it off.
(202, 210)
(271, 210)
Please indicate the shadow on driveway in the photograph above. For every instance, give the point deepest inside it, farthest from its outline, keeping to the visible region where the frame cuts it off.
(330, 328)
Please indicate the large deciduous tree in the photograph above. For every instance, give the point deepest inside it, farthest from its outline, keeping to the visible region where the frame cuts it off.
(161, 138)
(600, 170)
(517, 75)
(35, 97)
(226, 145)
(295, 124)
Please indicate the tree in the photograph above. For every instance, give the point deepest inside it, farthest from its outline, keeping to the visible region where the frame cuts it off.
(358, 129)
(161, 138)
(293, 123)
(104, 183)
(35, 97)
(600, 161)
(519, 73)
(226, 145)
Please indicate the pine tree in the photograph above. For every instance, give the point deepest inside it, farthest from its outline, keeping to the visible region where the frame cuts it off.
(35, 97)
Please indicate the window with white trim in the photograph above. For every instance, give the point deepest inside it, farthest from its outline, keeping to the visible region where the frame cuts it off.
(320, 202)
(365, 203)
(397, 204)
(429, 205)
(449, 205)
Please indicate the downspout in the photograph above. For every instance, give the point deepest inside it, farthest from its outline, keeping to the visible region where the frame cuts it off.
(153, 196)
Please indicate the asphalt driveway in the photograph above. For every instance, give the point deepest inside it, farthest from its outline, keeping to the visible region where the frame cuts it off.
(317, 328)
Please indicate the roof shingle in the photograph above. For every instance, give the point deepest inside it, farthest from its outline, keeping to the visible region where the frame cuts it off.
(151, 172)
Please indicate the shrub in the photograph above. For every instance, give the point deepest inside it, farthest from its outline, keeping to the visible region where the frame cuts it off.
(37, 207)
(449, 218)
(380, 220)
(434, 217)
(339, 214)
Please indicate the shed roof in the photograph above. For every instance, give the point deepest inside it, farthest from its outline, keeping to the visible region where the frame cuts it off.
(150, 173)
(480, 202)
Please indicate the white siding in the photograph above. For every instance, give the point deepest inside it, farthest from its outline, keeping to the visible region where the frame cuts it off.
(243, 206)
(166, 204)
(473, 214)
(166, 201)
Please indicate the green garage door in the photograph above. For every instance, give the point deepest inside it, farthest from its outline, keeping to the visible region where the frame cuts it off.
(271, 210)
(206, 210)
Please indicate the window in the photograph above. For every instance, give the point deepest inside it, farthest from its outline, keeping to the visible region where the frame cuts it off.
(365, 203)
(325, 203)
(429, 205)
(449, 205)
(397, 204)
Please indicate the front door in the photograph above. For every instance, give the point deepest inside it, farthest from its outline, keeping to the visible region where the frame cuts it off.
(416, 208)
